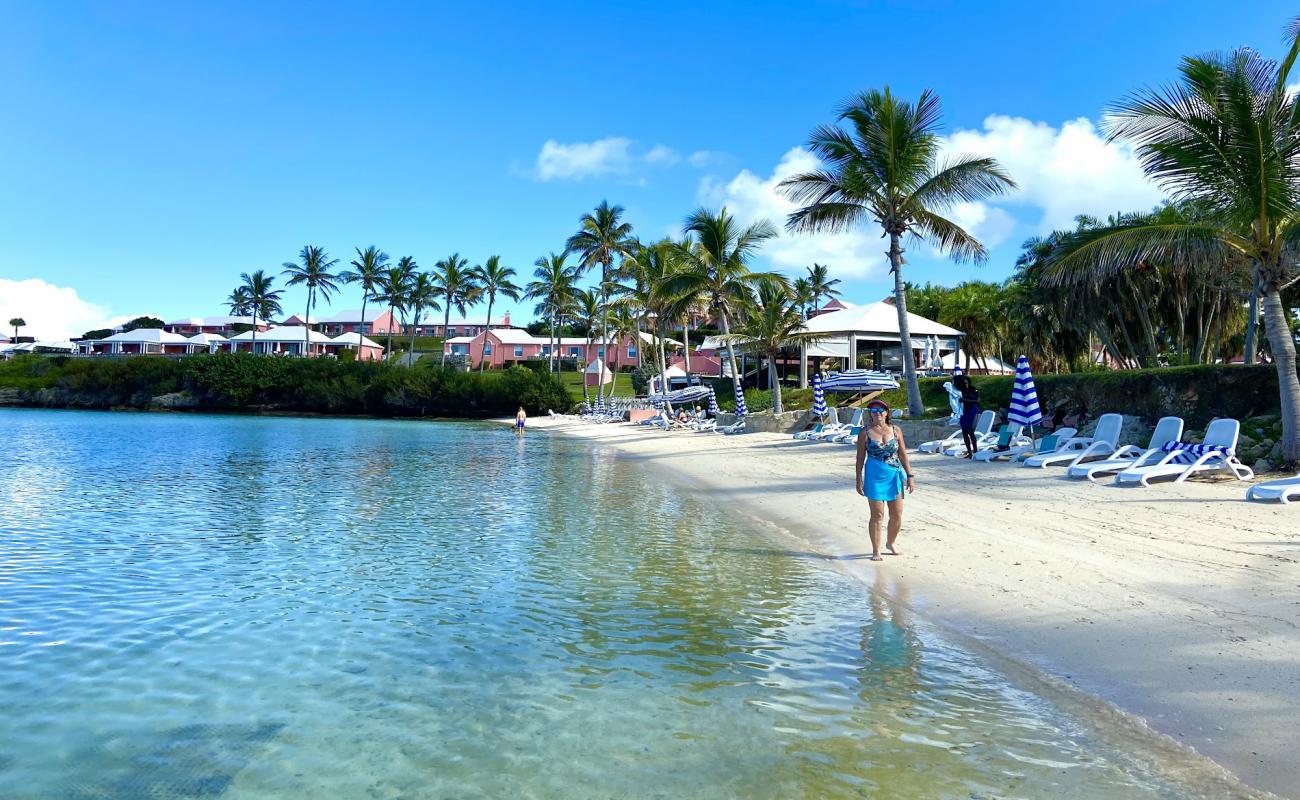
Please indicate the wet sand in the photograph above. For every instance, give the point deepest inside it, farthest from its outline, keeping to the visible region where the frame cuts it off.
(1177, 603)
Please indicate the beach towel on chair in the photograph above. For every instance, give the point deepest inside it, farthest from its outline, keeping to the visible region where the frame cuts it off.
(1187, 452)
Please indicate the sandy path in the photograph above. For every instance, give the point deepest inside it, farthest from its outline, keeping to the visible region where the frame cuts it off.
(1180, 604)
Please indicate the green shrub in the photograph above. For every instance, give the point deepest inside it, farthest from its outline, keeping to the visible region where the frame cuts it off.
(240, 381)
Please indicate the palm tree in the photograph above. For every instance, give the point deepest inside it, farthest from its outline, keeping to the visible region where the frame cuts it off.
(602, 236)
(821, 284)
(259, 299)
(773, 323)
(883, 168)
(368, 270)
(394, 285)
(456, 288)
(1227, 136)
(492, 278)
(622, 322)
(805, 299)
(717, 269)
(554, 287)
(588, 312)
(422, 294)
(650, 267)
(16, 323)
(313, 271)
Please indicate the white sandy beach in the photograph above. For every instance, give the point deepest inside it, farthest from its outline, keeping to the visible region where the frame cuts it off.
(1179, 604)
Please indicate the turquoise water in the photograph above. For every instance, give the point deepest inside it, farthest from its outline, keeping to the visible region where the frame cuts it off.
(202, 606)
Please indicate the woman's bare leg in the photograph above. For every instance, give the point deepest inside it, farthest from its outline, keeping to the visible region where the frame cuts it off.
(873, 527)
(895, 525)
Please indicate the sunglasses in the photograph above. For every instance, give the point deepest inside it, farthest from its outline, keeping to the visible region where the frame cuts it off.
(877, 410)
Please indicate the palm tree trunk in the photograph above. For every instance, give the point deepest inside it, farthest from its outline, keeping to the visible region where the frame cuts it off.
(773, 383)
(306, 327)
(254, 350)
(446, 320)
(554, 366)
(415, 326)
(361, 330)
(604, 326)
(914, 406)
(1283, 346)
(731, 352)
(488, 327)
(686, 342)
(1252, 320)
(389, 350)
(663, 367)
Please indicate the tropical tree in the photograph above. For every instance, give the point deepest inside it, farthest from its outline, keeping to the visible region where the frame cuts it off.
(884, 168)
(1227, 137)
(773, 323)
(493, 279)
(803, 296)
(16, 323)
(456, 289)
(588, 312)
(650, 267)
(623, 322)
(717, 269)
(602, 237)
(422, 295)
(368, 270)
(313, 271)
(554, 287)
(261, 300)
(394, 286)
(822, 284)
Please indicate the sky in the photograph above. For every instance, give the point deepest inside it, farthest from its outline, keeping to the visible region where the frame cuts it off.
(152, 152)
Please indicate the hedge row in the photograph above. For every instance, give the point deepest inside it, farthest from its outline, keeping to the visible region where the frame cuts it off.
(240, 382)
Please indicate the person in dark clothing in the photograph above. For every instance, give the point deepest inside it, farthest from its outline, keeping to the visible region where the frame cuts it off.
(970, 410)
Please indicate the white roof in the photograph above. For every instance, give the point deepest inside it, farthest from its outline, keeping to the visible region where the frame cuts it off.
(373, 311)
(354, 338)
(461, 339)
(147, 336)
(990, 364)
(880, 318)
(515, 336)
(283, 333)
(214, 322)
(207, 338)
(59, 345)
(595, 367)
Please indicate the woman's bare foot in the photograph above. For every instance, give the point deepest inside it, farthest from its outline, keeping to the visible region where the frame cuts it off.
(876, 557)
(892, 550)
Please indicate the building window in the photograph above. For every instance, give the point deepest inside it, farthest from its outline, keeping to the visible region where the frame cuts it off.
(487, 348)
(451, 332)
(574, 352)
(519, 351)
(631, 352)
(600, 352)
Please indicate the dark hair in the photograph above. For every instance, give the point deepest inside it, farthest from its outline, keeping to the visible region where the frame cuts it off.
(961, 382)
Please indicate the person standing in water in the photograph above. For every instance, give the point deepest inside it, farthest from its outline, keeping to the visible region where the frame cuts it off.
(970, 410)
(883, 452)
(520, 418)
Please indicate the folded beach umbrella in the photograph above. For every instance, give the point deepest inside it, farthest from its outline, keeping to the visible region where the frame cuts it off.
(936, 361)
(819, 397)
(713, 402)
(927, 357)
(741, 411)
(1024, 408)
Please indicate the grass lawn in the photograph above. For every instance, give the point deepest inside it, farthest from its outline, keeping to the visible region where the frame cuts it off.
(573, 381)
(423, 344)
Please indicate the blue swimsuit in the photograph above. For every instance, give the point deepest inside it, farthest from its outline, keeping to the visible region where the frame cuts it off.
(884, 477)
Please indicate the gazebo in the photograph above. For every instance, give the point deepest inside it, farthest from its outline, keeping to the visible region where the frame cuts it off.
(873, 329)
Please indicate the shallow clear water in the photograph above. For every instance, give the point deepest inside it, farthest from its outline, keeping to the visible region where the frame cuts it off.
(202, 606)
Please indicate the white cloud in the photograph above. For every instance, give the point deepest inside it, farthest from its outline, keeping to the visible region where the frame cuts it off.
(583, 159)
(52, 312)
(705, 158)
(662, 154)
(614, 155)
(856, 254)
(1063, 171)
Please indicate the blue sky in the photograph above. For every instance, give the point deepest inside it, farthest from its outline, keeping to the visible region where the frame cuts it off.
(150, 152)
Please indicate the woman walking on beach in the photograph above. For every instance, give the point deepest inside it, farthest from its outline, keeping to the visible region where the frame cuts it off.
(888, 473)
(520, 418)
(970, 409)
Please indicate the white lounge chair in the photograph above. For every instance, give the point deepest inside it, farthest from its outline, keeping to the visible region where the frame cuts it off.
(848, 437)
(1282, 490)
(983, 425)
(1018, 445)
(983, 439)
(736, 427)
(1182, 461)
(811, 432)
(1071, 450)
(1168, 429)
(831, 434)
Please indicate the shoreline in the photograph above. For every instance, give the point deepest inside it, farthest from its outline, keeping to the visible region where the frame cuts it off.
(1171, 615)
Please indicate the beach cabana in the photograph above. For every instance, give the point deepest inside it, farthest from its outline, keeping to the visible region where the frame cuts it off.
(596, 373)
(988, 365)
(208, 342)
(873, 329)
(142, 341)
(366, 349)
(281, 340)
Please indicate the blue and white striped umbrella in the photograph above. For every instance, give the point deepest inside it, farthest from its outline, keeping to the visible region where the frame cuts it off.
(600, 404)
(819, 397)
(858, 380)
(741, 410)
(1024, 397)
(713, 402)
